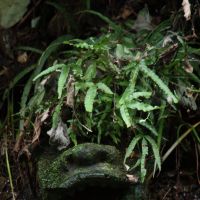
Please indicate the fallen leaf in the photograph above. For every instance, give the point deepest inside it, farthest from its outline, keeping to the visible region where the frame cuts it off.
(22, 58)
(45, 115)
(37, 129)
(186, 9)
(59, 136)
(70, 92)
(188, 67)
(167, 40)
(132, 178)
(38, 124)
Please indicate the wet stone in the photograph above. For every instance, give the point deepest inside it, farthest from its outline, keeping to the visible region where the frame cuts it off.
(87, 170)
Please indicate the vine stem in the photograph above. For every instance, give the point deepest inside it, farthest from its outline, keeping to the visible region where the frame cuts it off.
(178, 141)
(9, 173)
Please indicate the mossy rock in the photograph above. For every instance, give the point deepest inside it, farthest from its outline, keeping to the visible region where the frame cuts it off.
(83, 166)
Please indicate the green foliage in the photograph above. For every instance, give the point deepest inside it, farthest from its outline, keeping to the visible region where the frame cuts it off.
(157, 80)
(118, 85)
(143, 159)
(62, 80)
(89, 98)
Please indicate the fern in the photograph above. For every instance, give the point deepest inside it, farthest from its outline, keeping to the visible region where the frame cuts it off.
(104, 88)
(90, 72)
(143, 159)
(155, 151)
(150, 127)
(157, 80)
(141, 106)
(49, 70)
(82, 44)
(131, 146)
(131, 87)
(48, 51)
(125, 115)
(62, 80)
(56, 115)
(89, 98)
(136, 95)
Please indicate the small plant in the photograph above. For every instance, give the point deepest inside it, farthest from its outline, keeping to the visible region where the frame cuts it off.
(114, 84)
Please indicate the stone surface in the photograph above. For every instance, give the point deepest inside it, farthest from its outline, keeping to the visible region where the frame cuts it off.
(79, 168)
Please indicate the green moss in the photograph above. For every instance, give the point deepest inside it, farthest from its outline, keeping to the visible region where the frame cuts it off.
(83, 162)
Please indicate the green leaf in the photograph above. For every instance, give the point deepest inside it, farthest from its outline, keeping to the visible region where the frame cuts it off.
(62, 80)
(131, 87)
(149, 127)
(125, 115)
(143, 159)
(141, 106)
(131, 146)
(136, 95)
(157, 80)
(27, 48)
(48, 51)
(104, 18)
(89, 98)
(56, 116)
(24, 98)
(104, 88)
(90, 72)
(122, 52)
(17, 79)
(49, 70)
(119, 51)
(155, 151)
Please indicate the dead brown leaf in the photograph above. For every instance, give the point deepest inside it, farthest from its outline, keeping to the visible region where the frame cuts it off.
(186, 9)
(38, 124)
(22, 58)
(70, 92)
(188, 67)
(132, 178)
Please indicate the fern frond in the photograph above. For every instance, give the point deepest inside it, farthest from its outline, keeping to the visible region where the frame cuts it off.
(49, 70)
(23, 101)
(131, 146)
(157, 80)
(125, 115)
(141, 106)
(131, 87)
(82, 44)
(155, 151)
(90, 72)
(104, 88)
(48, 51)
(136, 95)
(143, 159)
(89, 98)
(150, 127)
(56, 116)
(51, 48)
(62, 80)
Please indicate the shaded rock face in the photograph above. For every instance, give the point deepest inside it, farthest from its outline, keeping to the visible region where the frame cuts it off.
(88, 171)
